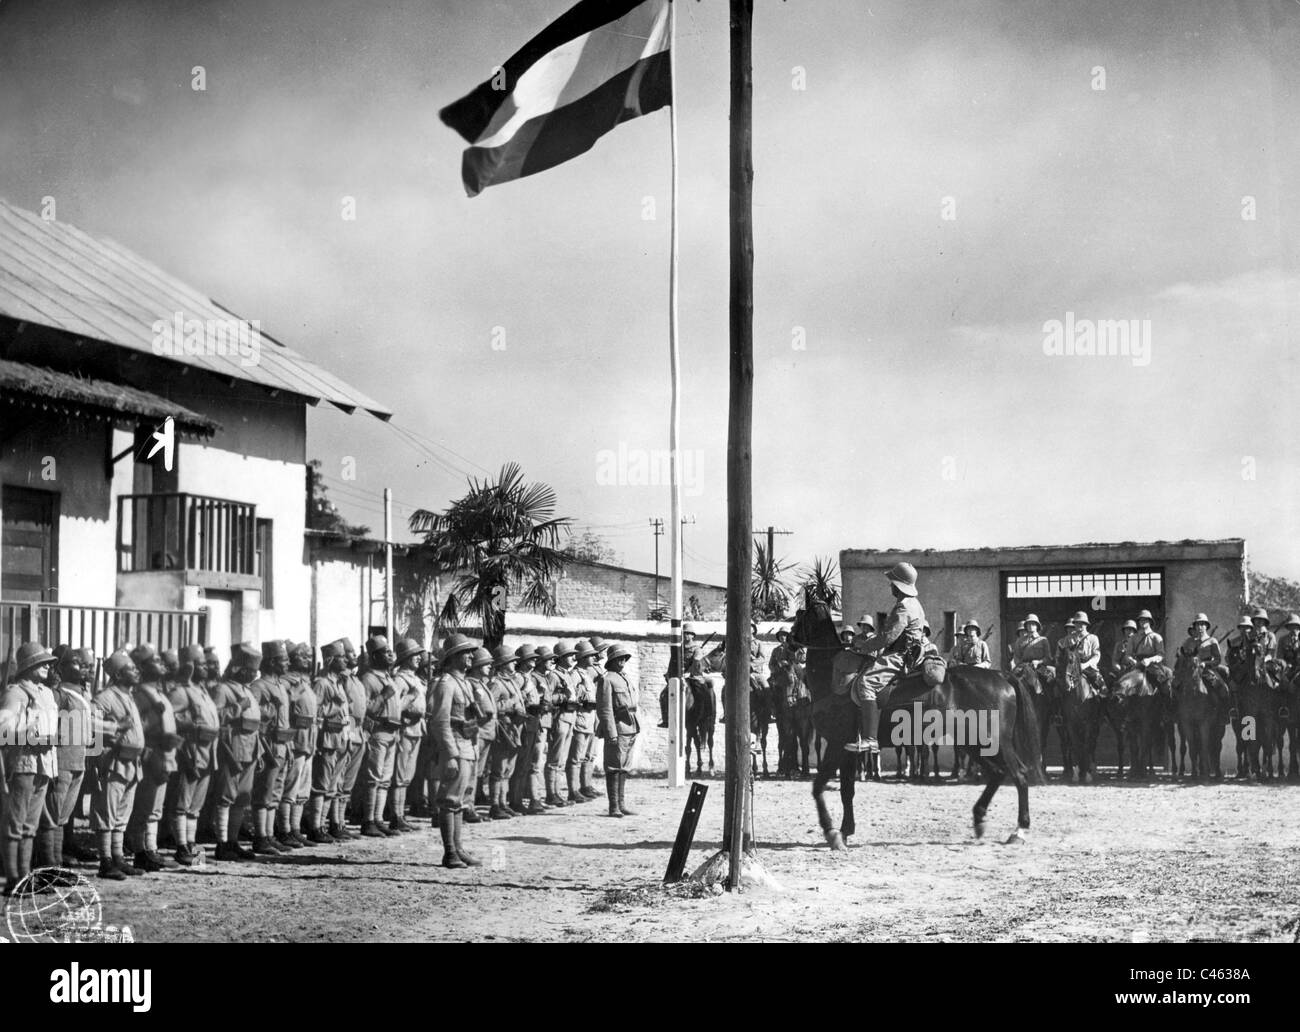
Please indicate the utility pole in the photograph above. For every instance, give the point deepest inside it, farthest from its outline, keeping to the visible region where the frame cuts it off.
(658, 524)
(771, 534)
(388, 563)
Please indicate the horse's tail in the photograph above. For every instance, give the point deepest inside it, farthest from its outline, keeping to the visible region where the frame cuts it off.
(1024, 735)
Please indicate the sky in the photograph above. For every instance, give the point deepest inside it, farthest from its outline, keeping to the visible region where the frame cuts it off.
(935, 184)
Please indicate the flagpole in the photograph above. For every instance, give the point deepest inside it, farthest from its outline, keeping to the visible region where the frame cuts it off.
(676, 711)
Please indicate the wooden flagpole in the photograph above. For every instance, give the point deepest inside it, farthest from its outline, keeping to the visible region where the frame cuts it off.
(739, 441)
(676, 709)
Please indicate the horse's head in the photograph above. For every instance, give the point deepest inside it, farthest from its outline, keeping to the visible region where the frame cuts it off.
(1133, 683)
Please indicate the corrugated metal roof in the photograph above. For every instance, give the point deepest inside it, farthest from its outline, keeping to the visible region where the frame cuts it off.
(53, 274)
(46, 388)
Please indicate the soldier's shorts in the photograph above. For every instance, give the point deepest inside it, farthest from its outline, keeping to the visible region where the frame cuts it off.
(191, 792)
(327, 770)
(61, 798)
(381, 752)
(299, 767)
(268, 783)
(408, 751)
(24, 802)
(110, 806)
(455, 776)
(504, 757)
(557, 747)
(235, 782)
(149, 796)
(879, 675)
(356, 756)
(618, 753)
(580, 747)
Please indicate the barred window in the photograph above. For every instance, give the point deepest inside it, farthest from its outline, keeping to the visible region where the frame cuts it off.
(1113, 583)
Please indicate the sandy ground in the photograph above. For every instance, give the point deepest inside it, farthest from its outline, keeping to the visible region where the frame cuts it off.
(1161, 861)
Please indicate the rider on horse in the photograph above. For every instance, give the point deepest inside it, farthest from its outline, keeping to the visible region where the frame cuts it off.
(894, 648)
(1149, 650)
(1084, 647)
(1032, 651)
(971, 649)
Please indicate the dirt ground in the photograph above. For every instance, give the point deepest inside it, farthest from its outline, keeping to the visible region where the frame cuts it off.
(1110, 862)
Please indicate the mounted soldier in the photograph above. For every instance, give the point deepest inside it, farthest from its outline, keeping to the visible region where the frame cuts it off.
(895, 648)
(1121, 654)
(1031, 653)
(1288, 645)
(1149, 651)
(1084, 647)
(971, 649)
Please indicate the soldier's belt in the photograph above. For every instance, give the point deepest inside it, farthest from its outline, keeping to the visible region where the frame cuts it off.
(202, 735)
(302, 721)
(129, 753)
(334, 725)
(247, 724)
(282, 735)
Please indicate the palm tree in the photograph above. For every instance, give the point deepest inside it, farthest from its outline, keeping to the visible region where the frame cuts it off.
(502, 534)
(821, 582)
(769, 591)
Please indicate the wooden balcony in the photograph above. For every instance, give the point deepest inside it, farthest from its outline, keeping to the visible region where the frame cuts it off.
(102, 628)
(196, 534)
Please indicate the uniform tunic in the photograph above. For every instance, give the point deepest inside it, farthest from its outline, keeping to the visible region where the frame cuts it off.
(563, 685)
(330, 759)
(901, 635)
(508, 701)
(617, 720)
(304, 721)
(199, 725)
(972, 653)
(455, 733)
(119, 766)
(384, 719)
(29, 714)
(487, 734)
(412, 709)
(584, 727)
(159, 761)
(239, 744)
(76, 735)
(534, 694)
(358, 733)
(277, 738)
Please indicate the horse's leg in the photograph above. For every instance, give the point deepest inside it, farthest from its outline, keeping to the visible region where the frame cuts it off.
(848, 777)
(995, 775)
(710, 738)
(834, 838)
(763, 740)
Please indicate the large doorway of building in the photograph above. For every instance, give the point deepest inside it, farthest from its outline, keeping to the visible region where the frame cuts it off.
(1108, 596)
(29, 545)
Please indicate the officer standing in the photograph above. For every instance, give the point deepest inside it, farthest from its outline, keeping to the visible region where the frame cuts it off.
(560, 679)
(29, 718)
(584, 726)
(509, 704)
(303, 721)
(455, 726)
(480, 672)
(118, 767)
(77, 727)
(199, 725)
(358, 736)
(158, 763)
(411, 704)
(618, 725)
(331, 756)
(384, 717)
(277, 752)
(239, 746)
(971, 649)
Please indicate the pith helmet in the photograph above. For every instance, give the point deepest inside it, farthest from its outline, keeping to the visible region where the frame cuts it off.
(564, 648)
(454, 644)
(1032, 619)
(599, 644)
(1080, 618)
(865, 621)
(482, 658)
(584, 648)
(170, 660)
(1244, 622)
(191, 654)
(544, 654)
(408, 647)
(31, 655)
(903, 575)
(116, 663)
(1130, 625)
(143, 652)
(969, 624)
(376, 643)
(1201, 618)
(1146, 615)
(503, 654)
(525, 651)
(1020, 626)
(1292, 621)
(1259, 613)
(617, 652)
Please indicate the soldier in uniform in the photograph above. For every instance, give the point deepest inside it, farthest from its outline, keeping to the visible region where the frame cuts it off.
(1206, 652)
(480, 672)
(1121, 655)
(358, 735)
(239, 746)
(331, 756)
(509, 704)
(384, 717)
(277, 748)
(847, 635)
(1288, 645)
(171, 664)
(158, 764)
(304, 721)
(412, 707)
(199, 725)
(584, 726)
(1149, 650)
(533, 668)
(971, 649)
(617, 725)
(453, 721)
(118, 767)
(894, 647)
(76, 733)
(563, 691)
(29, 714)
(1265, 639)
(1085, 647)
(689, 650)
(212, 668)
(1034, 649)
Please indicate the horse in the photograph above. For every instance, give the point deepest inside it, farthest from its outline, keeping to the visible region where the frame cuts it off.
(1043, 684)
(1289, 719)
(793, 713)
(1080, 717)
(1145, 702)
(701, 719)
(761, 708)
(1112, 716)
(1197, 705)
(1259, 698)
(976, 691)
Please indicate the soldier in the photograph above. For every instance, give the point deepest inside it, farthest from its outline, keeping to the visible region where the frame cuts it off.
(29, 719)
(358, 735)
(480, 672)
(331, 756)
(158, 763)
(305, 724)
(971, 649)
(509, 703)
(212, 668)
(689, 650)
(866, 625)
(1288, 644)
(384, 722)
(618, 726)
(171, 665)
(199, 725)
(1085, 647)
(533, 667)
(584, 727)
(76, 733)
(1205, 651)
(277, 750)
(1265, 639)
(894, 647)
(1149, 650)
(118, 767)
(239, 747)
(412, 706)
(454, 723)
(1121, 655)
(847, 635)
(563, 691)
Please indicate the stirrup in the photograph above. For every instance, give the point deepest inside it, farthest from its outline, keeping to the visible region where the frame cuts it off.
(858, 745)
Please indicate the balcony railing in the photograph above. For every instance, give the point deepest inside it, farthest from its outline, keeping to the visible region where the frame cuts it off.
(186, 532)
(102, 628)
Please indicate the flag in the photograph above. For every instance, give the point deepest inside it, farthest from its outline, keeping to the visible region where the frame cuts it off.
(599, 64)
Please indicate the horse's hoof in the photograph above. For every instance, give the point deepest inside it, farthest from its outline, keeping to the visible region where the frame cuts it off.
(836, 841)
(979, 829)
(1018, 837)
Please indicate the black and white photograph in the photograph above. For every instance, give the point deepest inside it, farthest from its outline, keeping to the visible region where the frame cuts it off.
(620, 471)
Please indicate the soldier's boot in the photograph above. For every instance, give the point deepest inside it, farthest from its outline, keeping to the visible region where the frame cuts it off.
(314, 816)
(108, 870)
(165, 863)
(180, 831)
(622, 794)
(192, 837)
(117, 851)
(10, 851)
(467, 858)
(537, 808)
(284, 839)
(381, 804)
(611, 793)
(499, 811)
(588, 789)
(296, 831)
(552, 796)
(234, 828)
(399, 821)
(575, 793)
(73, 849)
(447, 825)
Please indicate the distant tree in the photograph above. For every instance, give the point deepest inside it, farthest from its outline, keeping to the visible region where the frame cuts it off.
(821, 582)
(694, 611)
(770, 591)
(501, 535)
(323, 514)
(1274, 593)
(592, 548)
